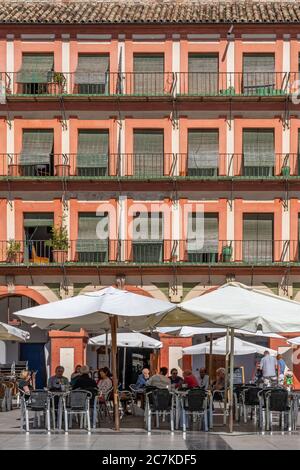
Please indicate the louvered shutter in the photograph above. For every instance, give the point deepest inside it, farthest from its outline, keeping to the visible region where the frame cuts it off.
(148, 73)
(148, 237)
(92, 69)
(203, 246)
(203, 152)
(259, 151)
(148, 153)
(36, 68)
(258, 237)
(88, 241)
(93, 149)
(38, 219)
(258, 73)
(37, 147)
(203, 74)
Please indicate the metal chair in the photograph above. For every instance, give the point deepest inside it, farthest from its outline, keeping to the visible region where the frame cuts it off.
(2, 397)
(77, 403)
(251, 402)
(195, 404)
(125, 400)
(39, 403)
(278, 402)
(102, 407)
(161, 403)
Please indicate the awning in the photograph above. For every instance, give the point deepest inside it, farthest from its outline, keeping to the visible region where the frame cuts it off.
(92, 149)
(37, 147)
(92, 69)
(36, 68)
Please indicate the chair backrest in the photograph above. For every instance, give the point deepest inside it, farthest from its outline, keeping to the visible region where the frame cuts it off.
(78, 399)
(161, 400)
(278, 400)
(39, 400)
(195, 400)
(2, 390)
(251, 397)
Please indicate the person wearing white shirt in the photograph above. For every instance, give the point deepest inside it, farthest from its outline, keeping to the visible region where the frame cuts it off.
(160, 380)
(203, 379)
(268, 365)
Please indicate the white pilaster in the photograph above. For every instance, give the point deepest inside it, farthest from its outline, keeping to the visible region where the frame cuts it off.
(65, 139)
(121, 121)
(10, 220)
(230, 147)
(65, 57)
(230, 61)
(230, 224)
(286, 230)
(286, 59)
(10, 142)
(122, 219)
(176, 224)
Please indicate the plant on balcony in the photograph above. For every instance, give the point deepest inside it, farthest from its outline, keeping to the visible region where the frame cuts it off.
(14, 253)
(59, 243)
(226, 253)
(285, 170)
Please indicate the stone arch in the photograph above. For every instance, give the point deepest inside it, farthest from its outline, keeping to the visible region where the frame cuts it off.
(24, 291)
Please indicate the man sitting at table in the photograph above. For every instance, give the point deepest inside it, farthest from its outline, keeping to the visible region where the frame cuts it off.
(176, 380)
(160, 380)
(189, 379)
(203, 379)
(58, 382)
(142, 379)
(85, 382)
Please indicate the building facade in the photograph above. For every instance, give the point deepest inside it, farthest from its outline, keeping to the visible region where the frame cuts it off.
(130, 129)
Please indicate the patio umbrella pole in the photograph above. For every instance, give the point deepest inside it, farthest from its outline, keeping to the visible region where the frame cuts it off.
(226, 377)
(124, 368)
(231, 380)
(210, 361)
(114, 325)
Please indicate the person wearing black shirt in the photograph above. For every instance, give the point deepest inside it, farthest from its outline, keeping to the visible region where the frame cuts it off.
(85, 382)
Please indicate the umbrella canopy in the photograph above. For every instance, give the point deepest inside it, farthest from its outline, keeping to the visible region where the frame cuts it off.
(294, 341)
(235, 305)
(128, 340)
(11, 333)
(219, 347)
(188, 331)
(91, 311)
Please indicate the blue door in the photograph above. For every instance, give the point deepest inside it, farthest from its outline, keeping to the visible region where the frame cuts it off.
(35, 355)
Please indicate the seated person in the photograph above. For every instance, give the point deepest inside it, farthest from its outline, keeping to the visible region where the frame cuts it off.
(75, 374)
(142, 379)
(105, 383)
(189, 379)
(203, 379)
(160, 380)
(219, 383)
(84, 382)
(175, 378)
(58, 382)
(25, 383)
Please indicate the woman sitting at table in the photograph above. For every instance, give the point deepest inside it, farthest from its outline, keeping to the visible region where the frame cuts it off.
(85, 382)
(105, 383)
(219, 383)
(75, 374)
(176, 380)
(25, 384)
(189, 379)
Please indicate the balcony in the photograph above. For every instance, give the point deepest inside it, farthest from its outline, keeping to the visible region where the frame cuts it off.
(151, 252)
(154, 84)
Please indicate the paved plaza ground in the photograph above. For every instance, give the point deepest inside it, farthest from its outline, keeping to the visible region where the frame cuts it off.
(135, 438)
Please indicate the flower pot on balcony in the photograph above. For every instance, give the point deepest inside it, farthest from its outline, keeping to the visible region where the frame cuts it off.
(62, 170)
(14, 170)
(60, 256)
(286, 170)
(15, 258)
(226, 253)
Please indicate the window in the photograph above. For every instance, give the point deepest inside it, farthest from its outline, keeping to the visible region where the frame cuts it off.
(258, 74)
(92, 74)
(37, 231)
(203, 238)
(258, 152)
(36, 74)
(203, 74)
(258, 238)
(92, 243)
(203, 152)
(148, 153)
(148, 76)
(147, 242)
(36, 157)
(92, 152)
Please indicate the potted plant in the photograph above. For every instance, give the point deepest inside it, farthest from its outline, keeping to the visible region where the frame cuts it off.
(14, 253)
(59, 243)
(59, 81)
(285, 170)
(226, 253)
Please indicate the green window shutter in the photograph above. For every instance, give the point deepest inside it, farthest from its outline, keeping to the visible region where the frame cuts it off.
(148, 226)
(148, 149)
(203, 150)
(258, 237)
(92, 69)
(93, 148)
(148, 74)
(208, 241)
(203, 73)
(88, 240)
(38, 219)
(258, 147)
(37, 147)
(36, 68)
(258, 72)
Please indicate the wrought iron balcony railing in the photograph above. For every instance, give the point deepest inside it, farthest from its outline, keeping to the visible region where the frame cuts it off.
(151, 251)
(222, 84)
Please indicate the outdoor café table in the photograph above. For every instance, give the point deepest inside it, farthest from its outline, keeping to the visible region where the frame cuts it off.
(56, 398)
(179, 395)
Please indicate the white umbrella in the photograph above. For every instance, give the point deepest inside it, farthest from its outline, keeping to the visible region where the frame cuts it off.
(95, 311)
(241, 348)
(128, 340)
(11, 333)
(188, 331)
(294, 341)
